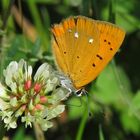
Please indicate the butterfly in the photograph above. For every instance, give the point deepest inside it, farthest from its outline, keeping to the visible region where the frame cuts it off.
(83, 47)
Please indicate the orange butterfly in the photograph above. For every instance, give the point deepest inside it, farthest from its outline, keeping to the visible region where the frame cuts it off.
(83, 47)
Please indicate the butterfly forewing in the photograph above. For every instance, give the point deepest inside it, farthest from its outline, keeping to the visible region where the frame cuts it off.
(86, 47)
(73, 39)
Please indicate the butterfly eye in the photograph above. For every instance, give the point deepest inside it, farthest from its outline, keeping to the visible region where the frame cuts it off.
(79, 93)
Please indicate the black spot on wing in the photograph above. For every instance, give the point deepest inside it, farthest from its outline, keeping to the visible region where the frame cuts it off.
(109, 43)
(93, 65)
(99, 57)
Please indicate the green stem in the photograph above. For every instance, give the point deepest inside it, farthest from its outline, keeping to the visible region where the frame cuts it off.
(38, 24)
(38, 132)
(112, 11)
(82, 125)
(7, 14)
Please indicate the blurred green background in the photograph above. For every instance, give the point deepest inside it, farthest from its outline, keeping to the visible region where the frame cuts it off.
(113, 98)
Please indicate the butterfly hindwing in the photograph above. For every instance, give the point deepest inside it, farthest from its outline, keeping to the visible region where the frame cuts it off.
(61, 44)
(111, 38)
(86, 46)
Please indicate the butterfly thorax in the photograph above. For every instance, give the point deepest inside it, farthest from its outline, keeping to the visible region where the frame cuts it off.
(67, 83)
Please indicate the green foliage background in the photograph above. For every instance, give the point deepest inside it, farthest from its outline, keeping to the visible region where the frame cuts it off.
(113, 98)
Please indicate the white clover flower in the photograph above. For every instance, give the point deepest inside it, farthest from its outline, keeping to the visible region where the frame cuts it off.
(25, 96)
(3, 93)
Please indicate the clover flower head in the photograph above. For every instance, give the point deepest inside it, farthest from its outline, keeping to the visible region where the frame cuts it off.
(31, 98)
